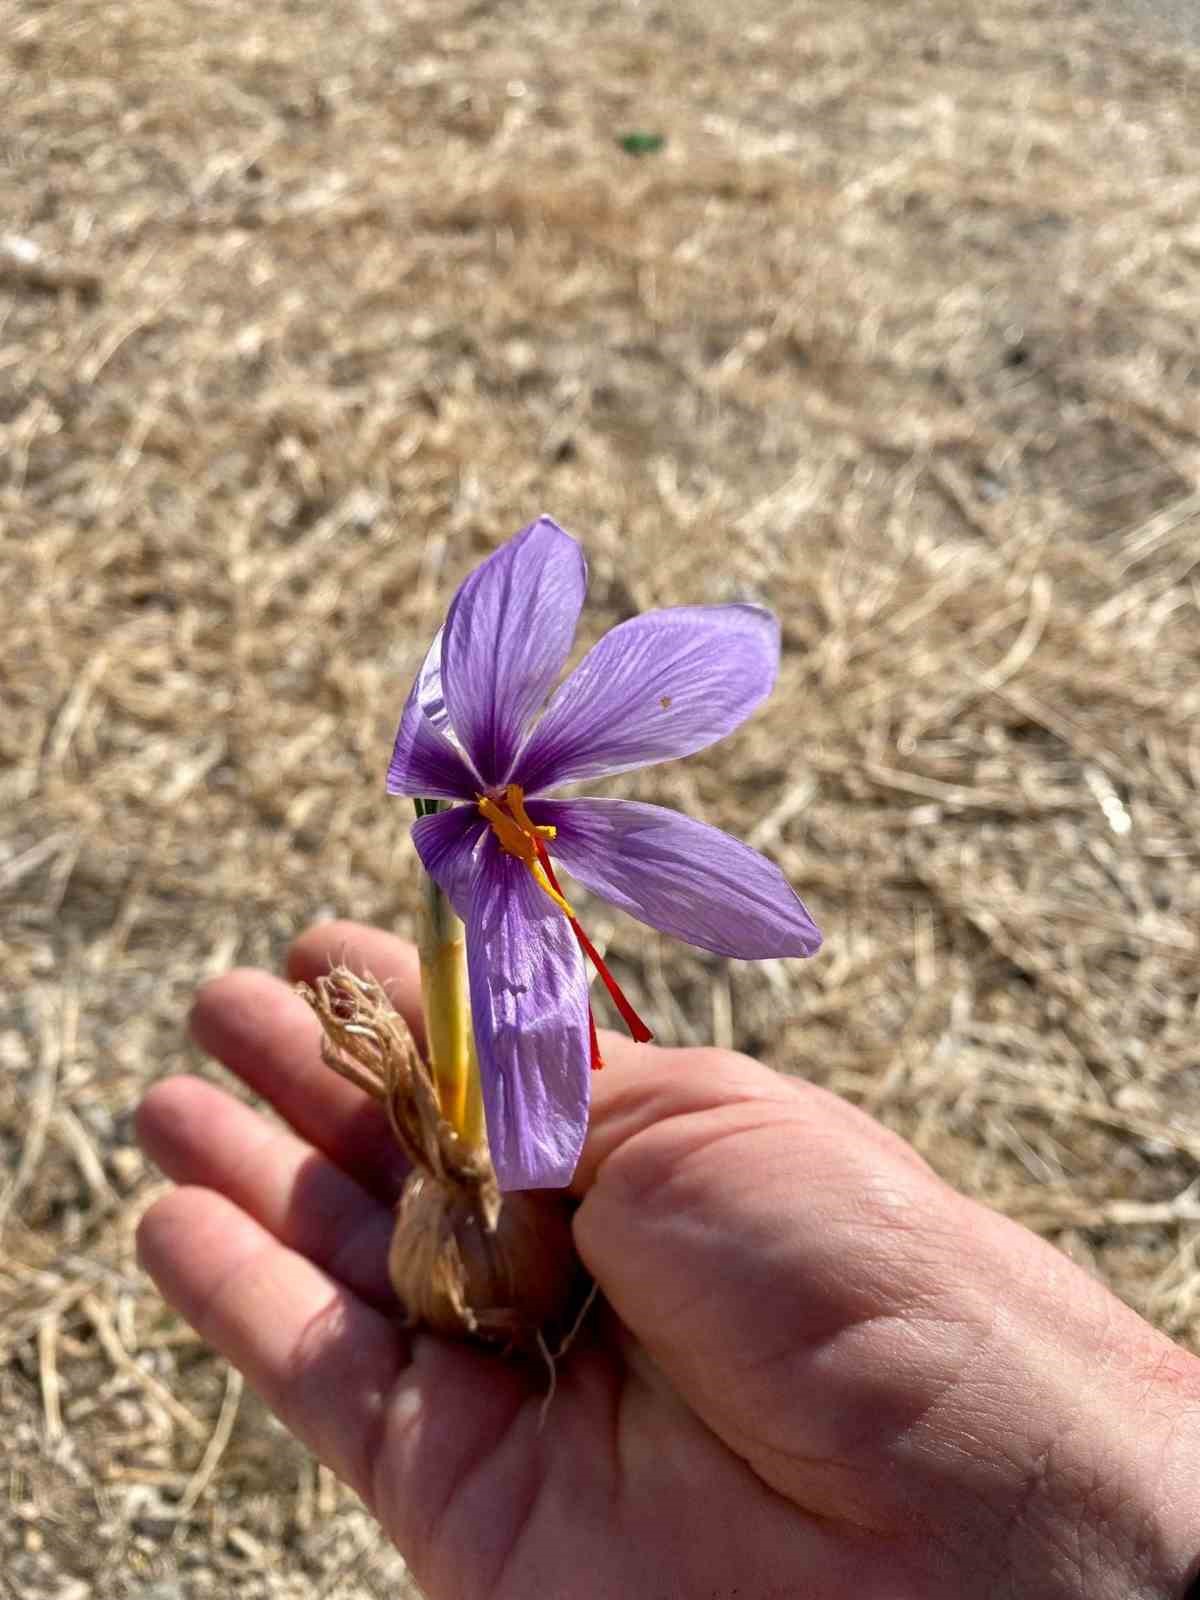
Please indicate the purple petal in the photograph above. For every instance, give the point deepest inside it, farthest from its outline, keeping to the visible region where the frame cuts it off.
(530, 1009)
(424, 762)
(680, 876)
(507, 636)
(664, 684)
(446, 843)
(429, 686)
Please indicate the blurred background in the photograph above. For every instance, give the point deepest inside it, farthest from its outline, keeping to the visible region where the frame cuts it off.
(885, 316)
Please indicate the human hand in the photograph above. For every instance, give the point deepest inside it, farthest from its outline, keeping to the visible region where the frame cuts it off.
(823, 1374)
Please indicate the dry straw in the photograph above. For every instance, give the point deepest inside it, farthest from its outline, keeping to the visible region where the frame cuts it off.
(311, 305)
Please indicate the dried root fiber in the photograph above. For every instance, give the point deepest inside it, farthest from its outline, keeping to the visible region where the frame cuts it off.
(465, 1260)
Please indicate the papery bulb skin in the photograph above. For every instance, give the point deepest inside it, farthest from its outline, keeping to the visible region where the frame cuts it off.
(465, 1260)
(501, 1269)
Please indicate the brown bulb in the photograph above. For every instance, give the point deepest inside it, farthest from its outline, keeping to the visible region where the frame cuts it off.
(500, 1268)
(465, 1260)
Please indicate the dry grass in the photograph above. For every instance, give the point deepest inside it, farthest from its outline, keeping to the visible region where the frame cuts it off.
(304, 307)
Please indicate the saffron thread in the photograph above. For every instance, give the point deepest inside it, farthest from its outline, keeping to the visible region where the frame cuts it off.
(640, 1032)
(520, 836)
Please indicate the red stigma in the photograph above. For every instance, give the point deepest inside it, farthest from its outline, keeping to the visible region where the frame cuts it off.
(597, 1060)
(637, 1028)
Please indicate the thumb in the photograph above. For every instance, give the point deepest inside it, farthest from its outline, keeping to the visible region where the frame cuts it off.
(752, 1231)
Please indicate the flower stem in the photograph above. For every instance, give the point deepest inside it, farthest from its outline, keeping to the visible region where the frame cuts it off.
(474, 1129)
(450, 1037)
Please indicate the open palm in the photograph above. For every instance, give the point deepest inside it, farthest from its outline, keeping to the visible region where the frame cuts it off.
(818, 1372)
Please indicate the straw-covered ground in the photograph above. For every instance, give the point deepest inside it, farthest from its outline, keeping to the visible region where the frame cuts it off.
(304, 306)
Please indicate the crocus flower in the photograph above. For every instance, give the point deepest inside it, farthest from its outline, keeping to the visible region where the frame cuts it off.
(664, 684)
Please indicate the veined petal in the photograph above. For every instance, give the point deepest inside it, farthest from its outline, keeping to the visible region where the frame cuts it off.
(507, 635)
(446, 843)
(681, 876)
(530, 1009)
(664, 684)
(429, 686)
(424, 762)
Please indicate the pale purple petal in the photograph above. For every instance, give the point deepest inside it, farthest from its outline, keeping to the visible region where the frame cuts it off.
(429, 687)
(507, 636)
(681, 876)
(424, 763)
(530, 1009)
(447, 843)
(661, 685)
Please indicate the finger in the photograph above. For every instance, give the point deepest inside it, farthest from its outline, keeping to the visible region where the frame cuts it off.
(321, 1358)
(369, 952)
(645, 1084)
(198, 1134)
(262, 1031)
(406, 1421)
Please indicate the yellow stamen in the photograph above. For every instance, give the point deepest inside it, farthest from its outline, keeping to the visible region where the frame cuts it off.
(543, 882)
(511, 835)
(514, 799)
(518, 835)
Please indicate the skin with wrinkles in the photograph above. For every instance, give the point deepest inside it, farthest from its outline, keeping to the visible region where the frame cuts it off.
(817, 1371)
